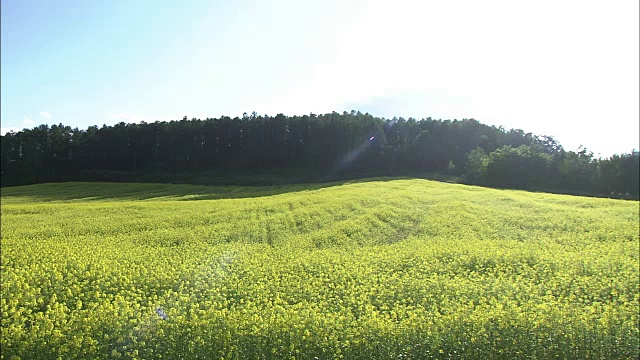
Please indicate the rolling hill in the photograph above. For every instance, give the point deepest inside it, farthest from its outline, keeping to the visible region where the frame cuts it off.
(369, 269)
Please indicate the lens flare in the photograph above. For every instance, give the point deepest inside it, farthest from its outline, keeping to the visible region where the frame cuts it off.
(351, 156)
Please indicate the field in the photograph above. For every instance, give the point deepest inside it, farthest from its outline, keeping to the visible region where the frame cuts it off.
(375, 269)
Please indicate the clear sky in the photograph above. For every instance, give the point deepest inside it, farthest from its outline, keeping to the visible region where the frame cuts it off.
(564, 68)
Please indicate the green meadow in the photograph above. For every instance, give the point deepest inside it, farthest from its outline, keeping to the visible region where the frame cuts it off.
(370, 269)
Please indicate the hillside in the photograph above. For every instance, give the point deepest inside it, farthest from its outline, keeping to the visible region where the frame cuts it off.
(377, 268)
(261, 150)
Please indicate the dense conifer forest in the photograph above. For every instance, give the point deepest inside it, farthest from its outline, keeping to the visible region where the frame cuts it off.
(311, 148)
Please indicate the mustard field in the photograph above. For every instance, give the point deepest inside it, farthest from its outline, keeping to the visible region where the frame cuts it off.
(371, 269)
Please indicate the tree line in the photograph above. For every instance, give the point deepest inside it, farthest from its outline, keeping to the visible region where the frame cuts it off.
(329, 146)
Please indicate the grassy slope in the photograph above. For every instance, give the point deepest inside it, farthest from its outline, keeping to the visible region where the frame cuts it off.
(360, 269)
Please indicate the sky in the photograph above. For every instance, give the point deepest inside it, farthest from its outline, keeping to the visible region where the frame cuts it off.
(569, 69)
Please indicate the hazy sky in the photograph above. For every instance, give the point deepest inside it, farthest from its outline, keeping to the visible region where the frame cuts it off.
(564, 68)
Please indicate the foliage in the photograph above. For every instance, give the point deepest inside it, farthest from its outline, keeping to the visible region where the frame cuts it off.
(324, 147)
(476, 166)
(396, 269)
(621, 173)
(520, 167)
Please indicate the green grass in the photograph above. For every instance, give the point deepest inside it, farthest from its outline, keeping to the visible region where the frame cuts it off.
(371, 269)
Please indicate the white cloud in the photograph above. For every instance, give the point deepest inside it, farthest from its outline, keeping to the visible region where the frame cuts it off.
(502, 62)
(131, 118)
(5, 130)
(45, 115)
(127, 118)
(28, 122)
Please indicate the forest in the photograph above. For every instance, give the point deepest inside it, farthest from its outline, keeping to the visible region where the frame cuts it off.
(312, 148)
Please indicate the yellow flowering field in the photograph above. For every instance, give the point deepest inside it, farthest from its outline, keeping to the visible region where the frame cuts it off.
(375, 269)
